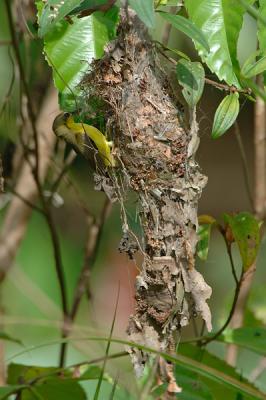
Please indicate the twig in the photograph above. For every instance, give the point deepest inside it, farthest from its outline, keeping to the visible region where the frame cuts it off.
(68, 162)
(168, 28)
(228, 320)
(9, 91)
(23, 81)
(238, 315)
(26, 201)
(93, 242)
(229, 252)
(244, 163)
(222, 86)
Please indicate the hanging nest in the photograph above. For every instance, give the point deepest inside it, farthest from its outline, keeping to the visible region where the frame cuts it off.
(155, 158)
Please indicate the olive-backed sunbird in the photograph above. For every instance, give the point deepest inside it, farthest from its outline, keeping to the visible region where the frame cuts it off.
(80, 136)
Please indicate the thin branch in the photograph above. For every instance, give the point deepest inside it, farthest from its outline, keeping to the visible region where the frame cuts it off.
(26, 201)
(228, 320)
(167, 28)
(23, 81)
(244, 164)
(9, 91)
(229, 252)
(222, 86)
(93, 242)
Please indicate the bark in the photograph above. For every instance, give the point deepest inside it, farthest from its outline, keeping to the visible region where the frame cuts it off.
(155, 152)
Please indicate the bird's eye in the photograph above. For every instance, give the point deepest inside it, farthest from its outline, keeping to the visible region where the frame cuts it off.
(66, 115)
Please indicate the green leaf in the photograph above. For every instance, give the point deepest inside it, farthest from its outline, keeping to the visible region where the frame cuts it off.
(145, 11)
(262, 27)
(18, 373)
(206, 222)
(88, 5)
(92, 372)
(191, 76)
(225, 115)
(204, 234)
(187, 27)
(246, 232)
(221, 22)
(54, 389)
(70, 48)
(253, 339)
(210, 360)
(212, 373)
(193, 388)
(250, 70)
(6, 391)
(54, 11)
(104, 28)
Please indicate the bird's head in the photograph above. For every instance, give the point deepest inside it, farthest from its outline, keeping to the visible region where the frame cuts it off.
(61, 124)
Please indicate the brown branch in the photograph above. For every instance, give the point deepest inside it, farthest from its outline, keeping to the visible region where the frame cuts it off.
(244, 163)
(239, 310)
(15, 45)
(222, 86)
(230, 316)
(92, 246)
(168, 28)
(26, 201)
(259, 208)
(18, 214)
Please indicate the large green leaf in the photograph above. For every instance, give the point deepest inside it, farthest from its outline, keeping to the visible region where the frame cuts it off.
(250, 70)
(6, 391)
(211, 372)
(221, 21)
(251, 338)
(89, 5)
(210, 360)
(225, 115)
(188, 27)
(193, 388)
(246, 232)
(22, 373)
(145, 11)
(52, 12)
(54, 389)
(191, 76)
(262, 29)
(70, 48)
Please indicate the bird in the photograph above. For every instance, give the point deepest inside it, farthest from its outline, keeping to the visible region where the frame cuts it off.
(82, 137)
